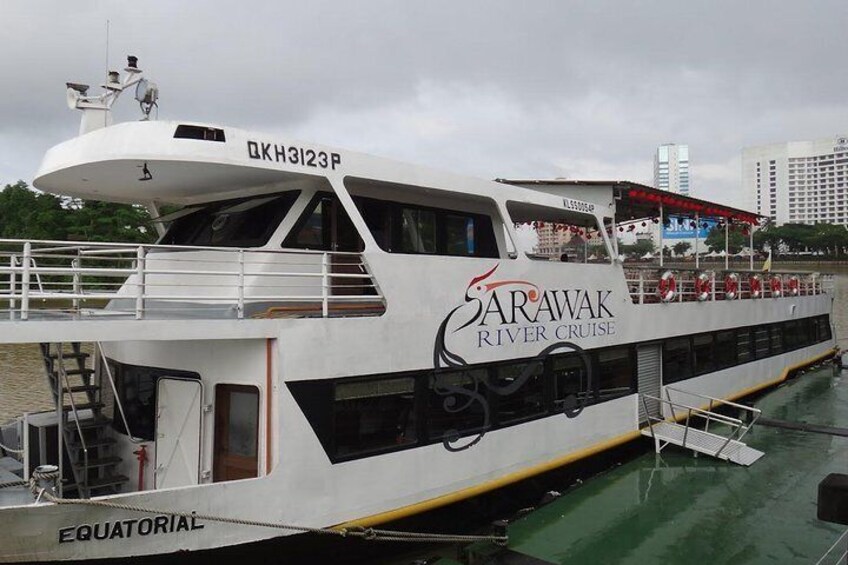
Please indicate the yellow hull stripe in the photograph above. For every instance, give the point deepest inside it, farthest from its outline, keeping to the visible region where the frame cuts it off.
(517, 476)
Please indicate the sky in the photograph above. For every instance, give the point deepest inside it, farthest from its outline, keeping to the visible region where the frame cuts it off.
(494, 89)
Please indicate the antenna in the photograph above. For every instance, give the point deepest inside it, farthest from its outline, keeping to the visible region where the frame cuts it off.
(107, 45)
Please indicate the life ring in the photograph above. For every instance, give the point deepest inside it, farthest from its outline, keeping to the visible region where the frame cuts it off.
(667, 287)
(703, 287)
(756, 286)
(793, 285)
(731, 286)
(776, 287)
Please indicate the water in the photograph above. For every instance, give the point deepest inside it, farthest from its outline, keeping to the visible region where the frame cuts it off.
(676, 508)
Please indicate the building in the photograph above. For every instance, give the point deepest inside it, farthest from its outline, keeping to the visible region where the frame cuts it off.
(671, 168)
(804, 182)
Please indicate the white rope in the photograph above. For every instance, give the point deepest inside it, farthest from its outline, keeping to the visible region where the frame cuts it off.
(10, 450)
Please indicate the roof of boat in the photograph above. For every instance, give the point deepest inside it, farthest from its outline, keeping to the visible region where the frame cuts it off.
(641, 201)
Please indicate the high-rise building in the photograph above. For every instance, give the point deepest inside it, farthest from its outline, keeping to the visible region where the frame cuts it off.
(803, 182)
(671, 168)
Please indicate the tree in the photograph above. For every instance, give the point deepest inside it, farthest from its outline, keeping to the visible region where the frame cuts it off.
(639, 248)
(681, 247)
(716, 242)
(28, 214)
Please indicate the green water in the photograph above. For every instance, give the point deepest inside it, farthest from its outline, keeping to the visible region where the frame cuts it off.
(676, 508)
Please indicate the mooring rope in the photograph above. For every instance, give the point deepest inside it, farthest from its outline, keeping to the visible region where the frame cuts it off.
(370, 534)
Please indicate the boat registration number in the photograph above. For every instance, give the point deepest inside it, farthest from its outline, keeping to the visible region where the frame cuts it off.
(293, 155)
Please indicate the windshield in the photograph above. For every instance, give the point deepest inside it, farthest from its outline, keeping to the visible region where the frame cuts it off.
(245, 222)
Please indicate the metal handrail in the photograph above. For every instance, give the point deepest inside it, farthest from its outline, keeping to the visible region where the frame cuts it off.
(756, 412)
(139, 271)
(736, 424)
(61, 408)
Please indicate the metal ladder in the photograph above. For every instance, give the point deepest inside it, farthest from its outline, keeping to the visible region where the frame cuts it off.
(78, 395)
(670, 431)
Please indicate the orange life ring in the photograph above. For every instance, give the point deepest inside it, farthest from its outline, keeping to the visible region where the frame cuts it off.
(731, 286)
(776, 286)
(756, 286)
(703, 286)
(794, 286)
(667, 286)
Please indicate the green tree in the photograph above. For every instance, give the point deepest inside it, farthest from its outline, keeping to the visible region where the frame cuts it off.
(28, 214)
(639, 248)
(681, 247)
(715, 240)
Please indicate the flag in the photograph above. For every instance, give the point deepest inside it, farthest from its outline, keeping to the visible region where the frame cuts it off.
(767, 264)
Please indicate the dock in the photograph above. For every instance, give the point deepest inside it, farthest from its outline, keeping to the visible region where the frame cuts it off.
(680, 508)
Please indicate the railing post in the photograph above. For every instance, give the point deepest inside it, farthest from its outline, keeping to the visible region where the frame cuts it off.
(325, 287)
(140, 282)
(27, 261)
(712, 285)
(641, 287)
(13, 286)
(75, 265)
(240, 304)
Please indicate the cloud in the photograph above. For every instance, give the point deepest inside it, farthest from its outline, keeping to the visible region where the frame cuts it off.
(489, 88)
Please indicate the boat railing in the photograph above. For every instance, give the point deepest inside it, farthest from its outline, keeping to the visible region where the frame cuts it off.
(652, 284)
(675, 410)
(54, 279)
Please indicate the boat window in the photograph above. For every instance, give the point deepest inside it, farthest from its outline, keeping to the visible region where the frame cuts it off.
(725, 349)
(324, 226)
(824, 329)
(204, 133)
(520, 390)
(136, 388)
(676, 360)
(744, 345)
(236, 454)
(373, 415)
(245, 222)
(702, 353)
(761, 342)
(559, 234)
(793, 338)
(776, 339)
(407, 228)
(452, 411)
(615, 372)
(418, 230)
(570, 380)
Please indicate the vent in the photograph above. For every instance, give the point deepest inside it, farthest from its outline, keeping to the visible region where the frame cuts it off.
(199, 132)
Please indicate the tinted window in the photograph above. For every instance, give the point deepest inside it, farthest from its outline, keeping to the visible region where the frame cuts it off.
(520, 391)
(615, 372)
(744, 345)
(761, 342)
(676, 360)
(449, 406)
(374, 414)
(569, 379)
(725, 349)
(234, 223)
(324, 226)
(406, 228)
(702, 353)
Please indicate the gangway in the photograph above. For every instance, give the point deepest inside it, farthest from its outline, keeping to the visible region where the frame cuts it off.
(675, 427)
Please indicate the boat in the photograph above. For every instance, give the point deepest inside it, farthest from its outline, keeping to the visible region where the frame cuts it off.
(325, 341)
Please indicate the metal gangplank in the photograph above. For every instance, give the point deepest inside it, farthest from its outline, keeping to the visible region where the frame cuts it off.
(676, 427)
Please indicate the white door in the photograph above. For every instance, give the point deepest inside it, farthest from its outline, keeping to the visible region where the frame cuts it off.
(648, 361)
(178, 418)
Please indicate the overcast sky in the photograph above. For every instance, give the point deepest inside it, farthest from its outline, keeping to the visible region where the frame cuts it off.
(487, 88)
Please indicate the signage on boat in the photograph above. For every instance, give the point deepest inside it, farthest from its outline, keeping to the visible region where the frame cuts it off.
(578, 205)
(513, 312)
(120, 529)
(293, 155)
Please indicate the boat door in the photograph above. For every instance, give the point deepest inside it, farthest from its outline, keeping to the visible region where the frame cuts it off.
(649, 379)
(178, 425)
(326, 226)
